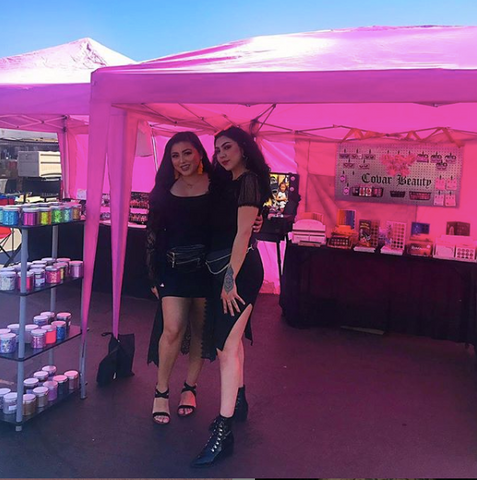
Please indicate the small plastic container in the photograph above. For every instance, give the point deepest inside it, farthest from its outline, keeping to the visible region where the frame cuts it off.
(67, 211)
(8, 343)
(38, 338)
(30, 383)
(50, 369)
(41, 376)
(3, 392)
(29, 281)
(63, 388)
(11, 216)
(28, 329)
(3, 331)
(41, 394)
(60, 326)
(73, 379)
(29, 404)
(45, 216)
(40, 320)
(76, 269)
(63, 268)
(50, 334)
(65, 317)
(10, 403)
(53, 275)
(39, 277)
(56, 214)
(7, 281)
(76, 211)
(49, 260)
(30, 217)
(52, 387)
(51, 316)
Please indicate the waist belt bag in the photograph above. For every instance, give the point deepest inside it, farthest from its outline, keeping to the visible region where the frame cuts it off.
(188, 258)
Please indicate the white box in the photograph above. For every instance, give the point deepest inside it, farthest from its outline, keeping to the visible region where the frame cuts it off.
(39, 164)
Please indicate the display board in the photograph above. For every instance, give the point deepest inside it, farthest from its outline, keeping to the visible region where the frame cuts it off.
(417, 174)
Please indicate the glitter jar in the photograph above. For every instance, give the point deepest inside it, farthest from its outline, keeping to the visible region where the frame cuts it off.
(49, 315)
(50, 369)
(53, 275)
(63, 387)
(8, 343)
(50, 334)
(28, 329)
(52, 387)
(11, 216)
(7, 269)
(7, 281)
(3, 392)
(38, 338)
(39, 277)
(45, 216)
(73, 379)
(67, 261)
(10, 403)
(29, 281)
(14, 328)
(67, 213)
(64, 317)
(62, 267)
(40, 320)
(56, 214)
(76, 211)
(60, 326)
(1, 215)
(30, 217)
(38, 264)
(41, 376)
(3, 331)
(49, 260)
(30, 383)
(76, 269)
(41, 394)
(29, 404)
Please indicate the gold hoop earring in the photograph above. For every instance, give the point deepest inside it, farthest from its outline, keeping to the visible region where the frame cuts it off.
(200, 168)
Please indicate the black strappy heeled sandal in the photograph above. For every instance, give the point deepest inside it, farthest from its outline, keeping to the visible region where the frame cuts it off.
(159, 394)
(187, 388)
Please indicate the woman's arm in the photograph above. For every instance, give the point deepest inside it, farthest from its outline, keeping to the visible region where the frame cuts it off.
(246, 218)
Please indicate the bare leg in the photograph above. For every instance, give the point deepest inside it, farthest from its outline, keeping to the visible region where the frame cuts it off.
(231, 365)
(175, 311)
(196, 361)
(242, 360)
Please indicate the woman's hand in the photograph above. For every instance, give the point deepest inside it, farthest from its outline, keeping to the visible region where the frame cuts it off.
(257, 225)
(229, 295)
(155, 292)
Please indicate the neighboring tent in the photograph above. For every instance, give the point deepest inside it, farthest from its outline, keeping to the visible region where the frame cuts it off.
(48, 91)
(300, 94)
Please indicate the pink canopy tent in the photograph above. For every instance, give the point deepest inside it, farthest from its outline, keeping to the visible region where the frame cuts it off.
(300, 95)
(48, 91)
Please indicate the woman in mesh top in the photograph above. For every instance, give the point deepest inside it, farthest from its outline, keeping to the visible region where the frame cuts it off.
(240, 186)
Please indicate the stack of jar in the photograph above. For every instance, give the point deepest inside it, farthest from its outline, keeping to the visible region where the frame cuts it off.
(32, 215)
(47, 271)
(43, 387)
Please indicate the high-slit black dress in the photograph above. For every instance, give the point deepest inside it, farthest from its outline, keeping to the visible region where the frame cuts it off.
(226, 199)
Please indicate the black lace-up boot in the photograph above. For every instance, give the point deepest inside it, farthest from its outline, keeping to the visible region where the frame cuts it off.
(219, 445)
(240, 411)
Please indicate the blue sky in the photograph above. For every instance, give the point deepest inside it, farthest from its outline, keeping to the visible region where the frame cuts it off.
(146, 29)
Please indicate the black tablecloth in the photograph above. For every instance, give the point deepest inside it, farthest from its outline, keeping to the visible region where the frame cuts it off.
(70, 244)
(413, 295)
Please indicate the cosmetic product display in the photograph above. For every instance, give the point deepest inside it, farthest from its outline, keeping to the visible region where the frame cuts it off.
(10, 403)
(38, 338)
(3, 392)
(40, 320)
(53, 275)
(52, 387)
(67, 213)
(73, 379)
(41, 394)
(30, 383)
(7, 281)
(8, 343)
(76, 269)
(30, 217)
(50, 334)
(11, 216)
(56, 215)
(41, 376)
(60, 327)
(45, 216)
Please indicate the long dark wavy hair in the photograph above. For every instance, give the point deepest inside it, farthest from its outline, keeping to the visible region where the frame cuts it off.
(165, 175)
(254, 159)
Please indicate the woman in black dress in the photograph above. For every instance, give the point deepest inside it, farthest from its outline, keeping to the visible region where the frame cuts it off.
(178, 221)
(240, 187)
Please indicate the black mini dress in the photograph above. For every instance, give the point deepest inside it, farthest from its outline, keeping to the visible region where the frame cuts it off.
(226, 199)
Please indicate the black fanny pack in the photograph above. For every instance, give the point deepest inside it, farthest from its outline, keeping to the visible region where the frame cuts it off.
(187, 258)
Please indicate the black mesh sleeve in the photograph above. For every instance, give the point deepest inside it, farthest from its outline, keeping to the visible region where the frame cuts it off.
(249, 195)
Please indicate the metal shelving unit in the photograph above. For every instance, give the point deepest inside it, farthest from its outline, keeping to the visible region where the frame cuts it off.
(25, 352)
